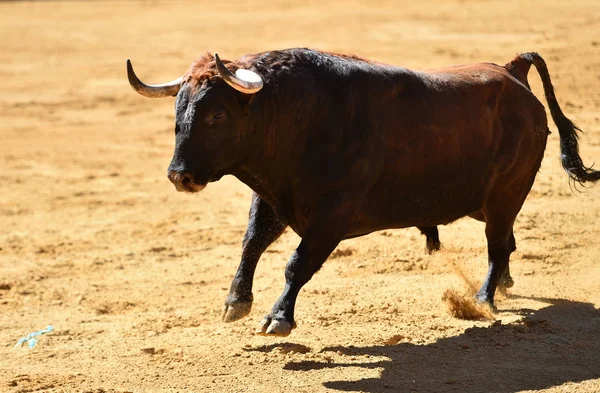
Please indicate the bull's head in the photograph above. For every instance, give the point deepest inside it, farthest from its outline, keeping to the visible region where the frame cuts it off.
(210, 120)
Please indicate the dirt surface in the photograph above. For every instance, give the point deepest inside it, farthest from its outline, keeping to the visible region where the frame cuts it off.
(132, 275)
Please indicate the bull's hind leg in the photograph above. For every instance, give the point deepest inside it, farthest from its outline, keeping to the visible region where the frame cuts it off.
(498, 232)
(506, 281)
(433, 238)
(263, 229)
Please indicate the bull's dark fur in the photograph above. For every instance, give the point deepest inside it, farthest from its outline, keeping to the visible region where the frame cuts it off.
(335, 146)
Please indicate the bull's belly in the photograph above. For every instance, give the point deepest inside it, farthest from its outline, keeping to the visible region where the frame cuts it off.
(426, 204)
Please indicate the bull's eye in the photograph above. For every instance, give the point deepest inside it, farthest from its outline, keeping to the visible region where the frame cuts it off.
(216, 117)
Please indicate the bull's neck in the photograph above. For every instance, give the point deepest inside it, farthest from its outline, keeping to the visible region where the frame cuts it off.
(266, 166)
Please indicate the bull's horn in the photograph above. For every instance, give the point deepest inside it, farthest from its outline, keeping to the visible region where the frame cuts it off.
(153, 91)
(243, 80)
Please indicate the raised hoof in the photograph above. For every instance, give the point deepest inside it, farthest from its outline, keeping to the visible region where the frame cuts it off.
(506, 282)
(235, 311)
(275, 327)
(432, 246)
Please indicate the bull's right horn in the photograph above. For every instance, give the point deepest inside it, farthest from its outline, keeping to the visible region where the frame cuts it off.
(244, 81)
(153, 91)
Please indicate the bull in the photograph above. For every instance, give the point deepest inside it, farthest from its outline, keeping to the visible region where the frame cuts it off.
(336, 146)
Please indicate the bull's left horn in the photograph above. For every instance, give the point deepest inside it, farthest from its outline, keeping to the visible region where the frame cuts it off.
(153, 91)
(243, 80)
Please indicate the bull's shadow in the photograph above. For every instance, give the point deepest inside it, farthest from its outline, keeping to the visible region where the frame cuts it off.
(551, 346)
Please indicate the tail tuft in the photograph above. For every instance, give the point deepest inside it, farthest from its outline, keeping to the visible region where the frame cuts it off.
(569, 145)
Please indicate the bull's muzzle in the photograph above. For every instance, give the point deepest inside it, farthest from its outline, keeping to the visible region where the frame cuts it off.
(184, 181)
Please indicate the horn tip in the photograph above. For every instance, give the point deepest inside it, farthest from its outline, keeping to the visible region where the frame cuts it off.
(131, 74)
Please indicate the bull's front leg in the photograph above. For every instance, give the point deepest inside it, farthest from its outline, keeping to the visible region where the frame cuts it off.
(318, 242)
(263, 229)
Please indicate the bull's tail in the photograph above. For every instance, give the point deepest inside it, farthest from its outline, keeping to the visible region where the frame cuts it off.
(569, 146)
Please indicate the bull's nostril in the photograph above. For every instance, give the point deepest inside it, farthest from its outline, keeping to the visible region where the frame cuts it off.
(187, 179)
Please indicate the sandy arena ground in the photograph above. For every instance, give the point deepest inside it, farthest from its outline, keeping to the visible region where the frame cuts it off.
(132, 275)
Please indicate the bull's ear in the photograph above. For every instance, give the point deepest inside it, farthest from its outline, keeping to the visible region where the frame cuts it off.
(244, 81)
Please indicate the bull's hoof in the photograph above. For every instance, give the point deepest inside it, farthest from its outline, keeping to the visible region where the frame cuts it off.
(270, 326)
(236, 310)
(485, 301)
(432, 246)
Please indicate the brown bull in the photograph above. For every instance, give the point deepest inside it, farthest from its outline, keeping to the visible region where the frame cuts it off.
(336, 147)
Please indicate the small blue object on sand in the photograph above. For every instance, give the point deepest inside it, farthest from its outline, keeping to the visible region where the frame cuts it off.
(30, 338)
